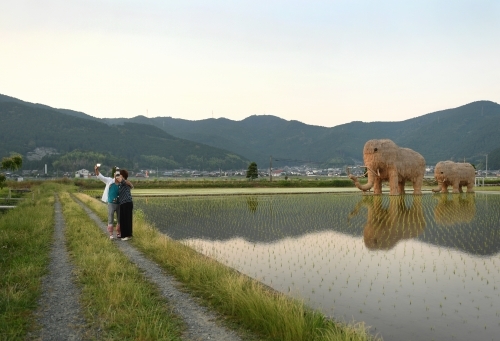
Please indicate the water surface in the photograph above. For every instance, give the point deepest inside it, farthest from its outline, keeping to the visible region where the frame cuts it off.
(412, 267)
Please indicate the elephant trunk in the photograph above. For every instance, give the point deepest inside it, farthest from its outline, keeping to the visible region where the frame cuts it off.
(366, 187)
(440, 187)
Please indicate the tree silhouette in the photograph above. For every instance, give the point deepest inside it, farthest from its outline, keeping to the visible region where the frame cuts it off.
(12, 163)
(252, 172)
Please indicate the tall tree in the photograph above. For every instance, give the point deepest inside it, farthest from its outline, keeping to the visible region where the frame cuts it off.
(252, 172)
(12, 163)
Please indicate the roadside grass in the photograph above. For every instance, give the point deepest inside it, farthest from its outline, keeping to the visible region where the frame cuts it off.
(118, 300)
(25, 239)
(243, 301)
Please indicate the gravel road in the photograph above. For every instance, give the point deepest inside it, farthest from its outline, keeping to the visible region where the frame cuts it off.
(59, 313)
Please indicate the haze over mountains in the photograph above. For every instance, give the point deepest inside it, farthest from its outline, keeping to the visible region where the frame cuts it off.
(468, 132)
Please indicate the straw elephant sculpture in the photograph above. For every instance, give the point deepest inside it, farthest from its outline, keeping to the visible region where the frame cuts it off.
(385, 161)
(449, 173)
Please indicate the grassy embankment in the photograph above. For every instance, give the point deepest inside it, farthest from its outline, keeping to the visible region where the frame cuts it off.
(25, 236)
(246, 303)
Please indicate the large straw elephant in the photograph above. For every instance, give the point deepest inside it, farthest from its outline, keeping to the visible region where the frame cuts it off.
(455, 174)
(390, 219)
(385, 161)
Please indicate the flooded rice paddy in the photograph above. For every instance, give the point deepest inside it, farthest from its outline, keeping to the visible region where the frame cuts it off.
(412, 267)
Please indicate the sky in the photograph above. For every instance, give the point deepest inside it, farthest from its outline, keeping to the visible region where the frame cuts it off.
(323, 63)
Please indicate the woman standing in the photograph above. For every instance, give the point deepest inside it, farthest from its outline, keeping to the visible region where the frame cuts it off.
(126, 205)
(110, 195)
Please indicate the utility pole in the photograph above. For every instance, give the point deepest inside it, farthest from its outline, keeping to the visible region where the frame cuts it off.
(486, 175)
(271, 168)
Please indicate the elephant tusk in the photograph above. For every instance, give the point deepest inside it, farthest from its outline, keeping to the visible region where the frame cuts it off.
(371, 170)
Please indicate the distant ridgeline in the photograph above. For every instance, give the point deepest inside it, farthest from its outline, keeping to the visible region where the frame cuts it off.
(29, 129)
(465, 133)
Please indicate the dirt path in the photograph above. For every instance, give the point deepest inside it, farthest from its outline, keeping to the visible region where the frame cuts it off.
(59, 313)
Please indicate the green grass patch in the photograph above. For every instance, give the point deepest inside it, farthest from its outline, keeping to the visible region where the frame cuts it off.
(25, 238)
(245, 302)
(118, 299)
(88, 184)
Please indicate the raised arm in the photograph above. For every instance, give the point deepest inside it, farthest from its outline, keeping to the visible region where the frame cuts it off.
(100, 176)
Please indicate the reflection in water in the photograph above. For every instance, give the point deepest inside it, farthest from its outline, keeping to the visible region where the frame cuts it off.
(446, 220)
(453, 209)
(252, 203)
(390, 220)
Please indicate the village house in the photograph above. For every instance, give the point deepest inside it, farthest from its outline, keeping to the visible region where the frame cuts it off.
(82, 173)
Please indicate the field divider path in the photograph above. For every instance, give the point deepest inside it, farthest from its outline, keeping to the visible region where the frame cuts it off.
(59, 312)
(201, 322)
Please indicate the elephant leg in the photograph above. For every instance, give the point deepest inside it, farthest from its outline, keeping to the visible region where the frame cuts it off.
(417, 185)
(444, 188)
(470, 187)
(401, 187)
(377, 186)
(460, 189)
(393, 184)
(456, 186)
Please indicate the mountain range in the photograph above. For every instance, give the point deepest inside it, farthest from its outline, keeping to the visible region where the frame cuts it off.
(468, 132)
(81, 141)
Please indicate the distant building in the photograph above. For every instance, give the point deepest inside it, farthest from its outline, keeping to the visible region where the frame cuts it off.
(279, 172)
(82, 173)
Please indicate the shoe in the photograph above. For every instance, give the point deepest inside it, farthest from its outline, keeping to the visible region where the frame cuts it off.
(118, 236)
(126, 238)
(111, 237)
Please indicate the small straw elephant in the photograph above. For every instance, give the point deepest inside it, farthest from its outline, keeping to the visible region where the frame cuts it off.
(455, 174)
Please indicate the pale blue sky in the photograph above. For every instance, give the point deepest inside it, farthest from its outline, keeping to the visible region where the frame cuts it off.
(318, 62)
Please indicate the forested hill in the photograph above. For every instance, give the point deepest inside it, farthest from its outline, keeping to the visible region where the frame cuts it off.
(79, 114)
(469, 132)
(25, 127)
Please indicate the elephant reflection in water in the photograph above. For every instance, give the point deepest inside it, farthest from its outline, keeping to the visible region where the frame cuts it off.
(453, 209)
(389, 220)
